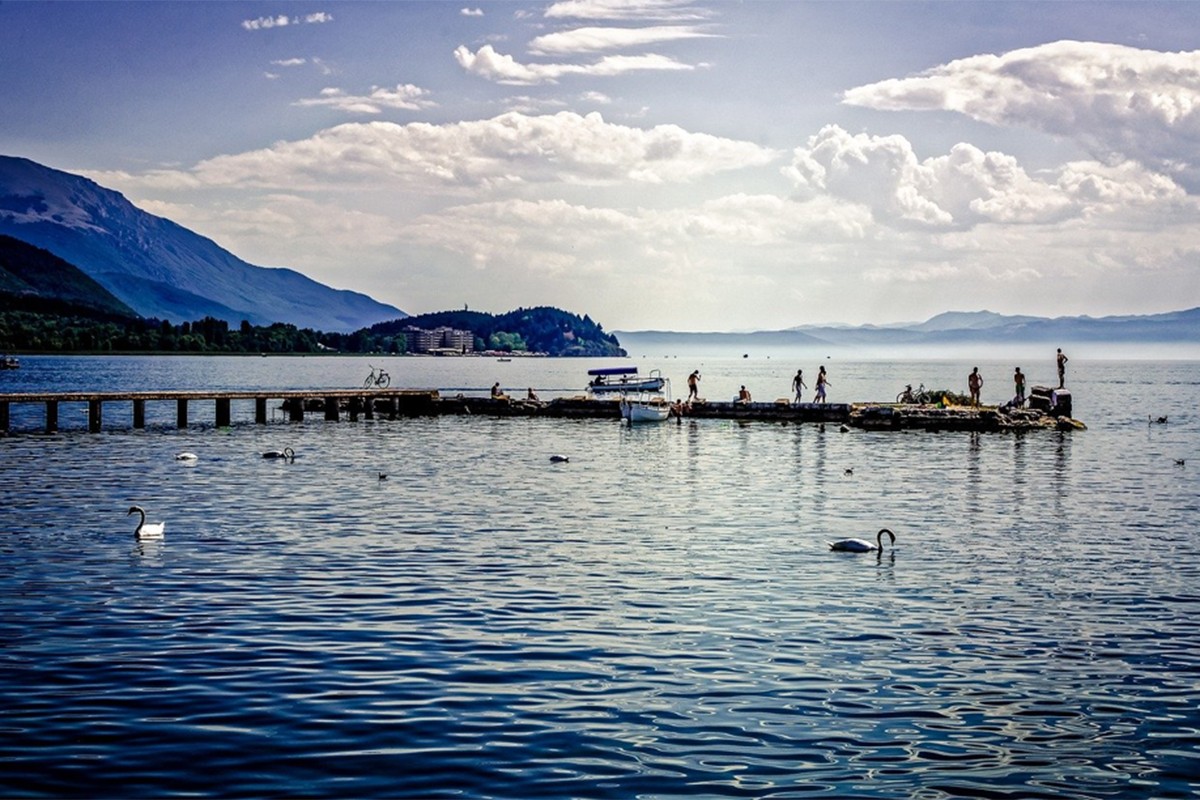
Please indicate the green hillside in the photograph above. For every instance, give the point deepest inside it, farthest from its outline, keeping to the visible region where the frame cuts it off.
(33, 279)
(543, 329)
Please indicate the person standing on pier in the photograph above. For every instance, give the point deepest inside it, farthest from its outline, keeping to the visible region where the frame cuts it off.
(1019, 380)
(1062, 368)
(975, 383)
(822, 382)
(798, 385)
(694, 386)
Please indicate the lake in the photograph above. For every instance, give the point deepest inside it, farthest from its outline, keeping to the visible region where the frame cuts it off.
(661, 616)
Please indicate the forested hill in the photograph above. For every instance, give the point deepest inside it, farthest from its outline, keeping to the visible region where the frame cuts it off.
(33, 279)
(542, 330)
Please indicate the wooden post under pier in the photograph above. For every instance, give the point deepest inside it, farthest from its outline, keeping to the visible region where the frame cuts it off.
(222, 412)
(94, 416)
(181, 413)
(139, 413)
(260, 410)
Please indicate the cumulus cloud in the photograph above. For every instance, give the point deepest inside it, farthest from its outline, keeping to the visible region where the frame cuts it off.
(404, 96)
(283, 20)
(965, 187)
(494, 66)
(510, 149)
(1118, 102)
(665, 10)
(471, 12)
(592, 40)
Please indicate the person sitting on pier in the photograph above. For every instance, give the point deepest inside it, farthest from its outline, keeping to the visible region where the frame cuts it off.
(743, 395)
(531, 395)
(497, 392)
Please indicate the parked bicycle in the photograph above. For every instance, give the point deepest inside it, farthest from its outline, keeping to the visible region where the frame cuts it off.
(377, 379)
(920, 396)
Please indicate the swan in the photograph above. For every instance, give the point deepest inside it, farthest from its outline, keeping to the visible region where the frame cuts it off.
(186, 456)
(152, 530)
(861, 545)
(285, 453)
(559, 459)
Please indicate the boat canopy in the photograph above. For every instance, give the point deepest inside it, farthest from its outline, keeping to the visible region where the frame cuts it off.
(613, 371)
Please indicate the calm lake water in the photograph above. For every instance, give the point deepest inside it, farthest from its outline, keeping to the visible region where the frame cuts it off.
(659, 617)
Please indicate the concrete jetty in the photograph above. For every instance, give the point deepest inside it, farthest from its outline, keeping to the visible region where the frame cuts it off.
(354, 404)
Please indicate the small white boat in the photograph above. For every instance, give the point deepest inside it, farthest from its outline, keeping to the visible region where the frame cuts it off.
(647, 409)
(623, 380)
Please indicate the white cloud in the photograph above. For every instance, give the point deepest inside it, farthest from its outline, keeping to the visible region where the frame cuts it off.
(283, 21)
(592, 40)
(668, 10)
(404, 96)
(966, 187)
(509, 150)
(494, 66)
(471, 12)
(290, 62)
(1118, 102)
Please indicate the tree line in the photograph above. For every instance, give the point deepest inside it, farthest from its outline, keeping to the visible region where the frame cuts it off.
(543, 330)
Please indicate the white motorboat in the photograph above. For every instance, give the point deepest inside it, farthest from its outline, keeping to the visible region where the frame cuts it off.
(648, 408)
(624, 380)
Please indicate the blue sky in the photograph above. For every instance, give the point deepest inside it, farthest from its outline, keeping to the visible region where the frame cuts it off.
(653, 163)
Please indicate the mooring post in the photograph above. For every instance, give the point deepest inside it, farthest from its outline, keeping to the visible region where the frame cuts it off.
(181, 413)
(331, 409)
(222, 412)
(51, 416)
(139, 413)
(3, 416)
(94, 416)
(260, 410)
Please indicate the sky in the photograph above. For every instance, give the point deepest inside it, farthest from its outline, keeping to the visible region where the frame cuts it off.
(655, 164)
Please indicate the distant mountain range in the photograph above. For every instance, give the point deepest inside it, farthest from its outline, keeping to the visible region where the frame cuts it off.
(161, 269)
(954, 327)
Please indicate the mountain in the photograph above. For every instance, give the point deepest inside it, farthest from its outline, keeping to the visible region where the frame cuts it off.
(951, 328)
(33, 279)
(161, 269)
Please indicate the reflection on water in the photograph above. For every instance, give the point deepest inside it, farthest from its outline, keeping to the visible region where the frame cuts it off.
(661, 616)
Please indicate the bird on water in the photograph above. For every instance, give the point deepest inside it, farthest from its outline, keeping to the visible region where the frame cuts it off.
(286, 454)
(146, 530)
(862, 545)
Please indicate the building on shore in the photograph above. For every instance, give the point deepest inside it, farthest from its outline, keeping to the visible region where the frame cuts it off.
(440, 341)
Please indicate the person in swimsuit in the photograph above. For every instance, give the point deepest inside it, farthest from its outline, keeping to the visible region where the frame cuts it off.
(975, 383)
(822, 382)
(798, 385)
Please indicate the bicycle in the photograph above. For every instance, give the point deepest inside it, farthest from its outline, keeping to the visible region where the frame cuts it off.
(919, 397)
(377, 380)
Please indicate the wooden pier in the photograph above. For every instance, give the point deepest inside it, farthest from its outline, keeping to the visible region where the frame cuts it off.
(332, 404)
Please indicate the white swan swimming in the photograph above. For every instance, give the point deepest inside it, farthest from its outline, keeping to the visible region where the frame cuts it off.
(152, 530)
(862, 545)
(186, 456)
(285, 453)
